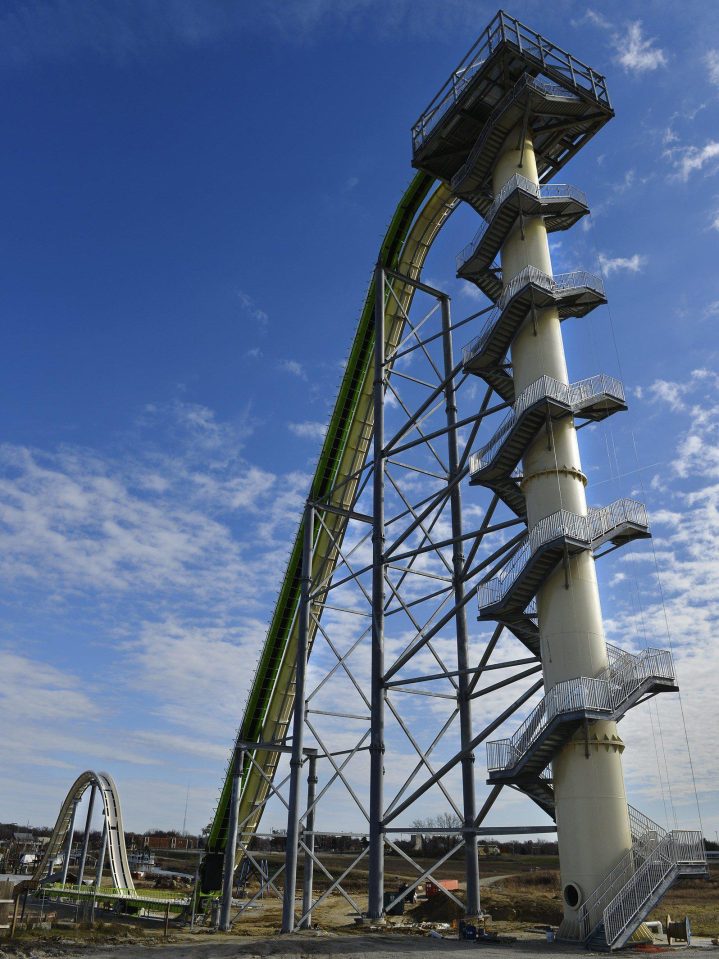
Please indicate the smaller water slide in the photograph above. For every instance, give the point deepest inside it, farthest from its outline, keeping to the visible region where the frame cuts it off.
(116, 851)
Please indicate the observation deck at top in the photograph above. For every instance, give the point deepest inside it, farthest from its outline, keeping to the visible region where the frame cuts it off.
(510, 74)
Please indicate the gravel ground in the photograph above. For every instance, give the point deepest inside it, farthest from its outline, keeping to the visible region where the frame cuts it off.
(300, 946)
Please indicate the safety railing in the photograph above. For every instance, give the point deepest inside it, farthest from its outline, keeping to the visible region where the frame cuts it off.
(606, 694)
(573, 395)
(567, 697)
(597, 523)
(577, 279)
(559, 283)
(641, 826)
(525, 83)
(637, 896)
(603, 519)
(504, 28)
(519, 183)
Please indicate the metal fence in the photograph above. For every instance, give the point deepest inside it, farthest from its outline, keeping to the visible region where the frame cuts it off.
(519, 183)
(573, 395)
(606, 693)
(679, 847)
(505, 28)
(561, 283)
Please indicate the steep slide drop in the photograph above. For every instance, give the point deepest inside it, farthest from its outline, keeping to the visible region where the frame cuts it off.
(420, 215)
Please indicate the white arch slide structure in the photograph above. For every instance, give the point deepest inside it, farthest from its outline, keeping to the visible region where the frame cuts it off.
(116, 851)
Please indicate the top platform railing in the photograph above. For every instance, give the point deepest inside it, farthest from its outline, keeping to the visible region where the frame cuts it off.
(507, 29)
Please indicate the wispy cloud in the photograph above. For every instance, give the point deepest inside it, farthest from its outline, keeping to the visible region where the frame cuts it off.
(308, 429)
(692, 159)
(637, 53)
(622, 264)
(252, 311)
(711, 61)
(293, 367)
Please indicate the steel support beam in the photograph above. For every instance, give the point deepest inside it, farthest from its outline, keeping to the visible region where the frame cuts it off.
(86, 835)
(376, 838)
(463, 698)
(101, 857)
(298, 725)
(309, 839)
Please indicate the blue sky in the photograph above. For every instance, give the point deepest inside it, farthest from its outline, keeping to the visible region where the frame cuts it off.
(193, 197)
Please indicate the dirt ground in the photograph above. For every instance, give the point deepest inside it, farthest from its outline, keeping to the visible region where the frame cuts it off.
(522, 896)
(319, 945)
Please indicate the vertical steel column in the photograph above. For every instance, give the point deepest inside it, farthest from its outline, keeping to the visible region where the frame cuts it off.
(464, 703)
(86, 836)
(308, 873)
(98, 869)
(228, 875)
(375, 905)
(68, 842)
(298, 726)
(101, 857)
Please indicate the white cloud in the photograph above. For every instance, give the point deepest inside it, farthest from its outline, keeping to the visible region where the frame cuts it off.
(293, 367)
(690, 159)
(712, 64)
(618, 264)
(308, 429)
(593, 17)
(635, 52)
(251, 310)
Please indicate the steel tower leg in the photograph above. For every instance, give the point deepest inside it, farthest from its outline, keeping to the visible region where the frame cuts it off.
(86, 836)
(591, 807)
(101, 857)
(68, 842)
(228, 875)
(308, 876)
(375, 904)
(98, 869)
(464, 703)
(298, 727)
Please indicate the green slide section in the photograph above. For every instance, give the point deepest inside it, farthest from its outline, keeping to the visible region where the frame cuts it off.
(418, 218)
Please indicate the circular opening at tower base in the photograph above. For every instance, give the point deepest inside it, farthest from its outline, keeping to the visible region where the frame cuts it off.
(572, 895)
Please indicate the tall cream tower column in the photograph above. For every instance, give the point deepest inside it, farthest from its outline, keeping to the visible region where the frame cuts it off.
(591, 805)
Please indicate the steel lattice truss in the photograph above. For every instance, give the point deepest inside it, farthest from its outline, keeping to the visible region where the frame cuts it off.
(402, 685)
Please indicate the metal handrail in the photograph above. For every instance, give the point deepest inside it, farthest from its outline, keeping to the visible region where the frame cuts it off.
(504, 28)
(673, 850)
(586, 529)
(574, 395)
(518, 183)
(525, 82)
(558, 284)
(603, 694)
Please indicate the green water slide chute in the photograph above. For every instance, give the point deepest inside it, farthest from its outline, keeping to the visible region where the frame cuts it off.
(419, 216)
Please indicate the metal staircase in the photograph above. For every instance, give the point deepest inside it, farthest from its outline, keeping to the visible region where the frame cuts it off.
(573, 294)
(615, 910)
(626, 681)
(593, 399)
(505, 597)
(559, 204)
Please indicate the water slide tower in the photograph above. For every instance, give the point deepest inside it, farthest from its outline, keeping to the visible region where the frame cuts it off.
(403, 450)
(513, 113)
